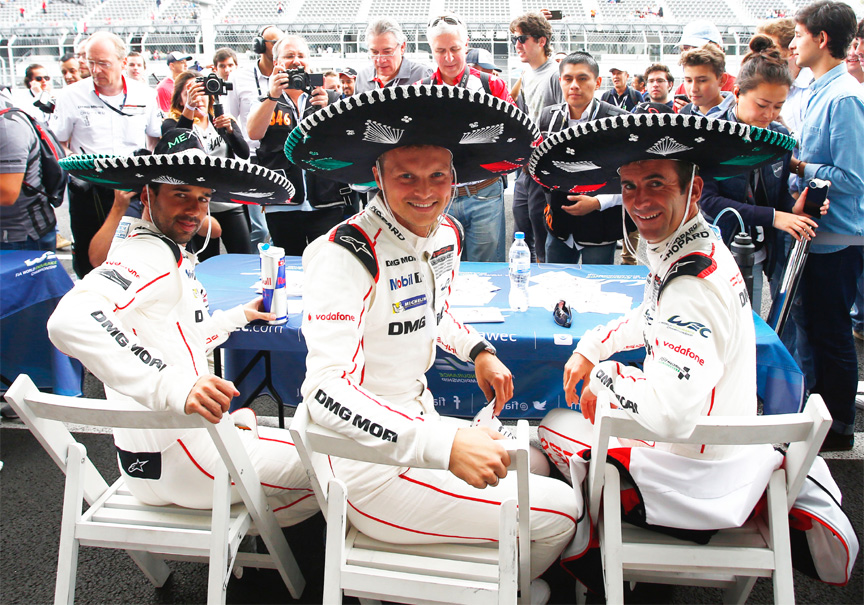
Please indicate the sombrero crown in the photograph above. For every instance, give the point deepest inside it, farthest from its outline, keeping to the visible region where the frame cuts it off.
(585, 159)
(487, 136)
(179, 159)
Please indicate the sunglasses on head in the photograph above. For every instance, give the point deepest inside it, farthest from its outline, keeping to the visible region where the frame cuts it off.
(520, 39)
(41, 78)
(562, 315)
(449, 20)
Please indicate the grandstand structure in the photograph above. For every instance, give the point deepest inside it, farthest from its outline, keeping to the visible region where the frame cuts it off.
(634, 32)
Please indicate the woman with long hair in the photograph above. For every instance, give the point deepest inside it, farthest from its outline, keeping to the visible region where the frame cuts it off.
(761, 197)
(192, 108)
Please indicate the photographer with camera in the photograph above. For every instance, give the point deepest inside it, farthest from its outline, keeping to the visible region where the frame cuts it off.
(195, 105)
(293, 94)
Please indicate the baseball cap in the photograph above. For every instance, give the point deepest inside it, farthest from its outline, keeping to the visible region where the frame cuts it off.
(349, 71)
(614, 69)
(481, 57)
(697, 33)
(177, 56)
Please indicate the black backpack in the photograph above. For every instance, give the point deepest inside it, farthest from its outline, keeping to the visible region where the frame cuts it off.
(54, 178)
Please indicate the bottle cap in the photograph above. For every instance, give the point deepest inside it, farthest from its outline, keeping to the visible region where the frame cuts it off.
(518, 235)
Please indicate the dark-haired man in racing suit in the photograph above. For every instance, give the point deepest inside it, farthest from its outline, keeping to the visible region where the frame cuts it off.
(140, 322)
(375, 307)
(695, 323)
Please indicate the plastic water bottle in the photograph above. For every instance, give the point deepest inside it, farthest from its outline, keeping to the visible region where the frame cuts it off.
(520, 272)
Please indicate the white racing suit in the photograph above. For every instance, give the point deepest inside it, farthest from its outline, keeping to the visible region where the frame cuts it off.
(696, 325)
(375, 306)
(140, 323)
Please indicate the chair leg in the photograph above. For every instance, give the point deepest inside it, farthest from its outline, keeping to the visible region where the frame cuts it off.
(156, 570)
(217, 583)
(778, 520)
(73, 495)
(508, 566)
(739, 592)
(334, 556)
(611, 544)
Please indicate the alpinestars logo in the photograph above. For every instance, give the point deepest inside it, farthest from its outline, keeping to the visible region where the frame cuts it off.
(137, 466)
(113, 275)
(356, 244)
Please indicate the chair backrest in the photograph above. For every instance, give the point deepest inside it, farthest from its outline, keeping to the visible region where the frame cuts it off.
(804, 432)
(314, 443)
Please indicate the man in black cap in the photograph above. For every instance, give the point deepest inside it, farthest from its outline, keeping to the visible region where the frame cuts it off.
(348, 77)
(140, 322)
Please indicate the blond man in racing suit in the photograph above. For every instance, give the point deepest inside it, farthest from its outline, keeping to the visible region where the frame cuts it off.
(375, 308)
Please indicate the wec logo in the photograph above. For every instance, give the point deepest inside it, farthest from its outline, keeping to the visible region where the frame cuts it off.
(692, 326)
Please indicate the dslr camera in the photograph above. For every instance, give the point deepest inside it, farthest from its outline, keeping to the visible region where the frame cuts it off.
(215, 86)
(298, 79)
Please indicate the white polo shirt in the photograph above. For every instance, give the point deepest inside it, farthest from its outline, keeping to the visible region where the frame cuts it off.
(249, 86)
(94, 123)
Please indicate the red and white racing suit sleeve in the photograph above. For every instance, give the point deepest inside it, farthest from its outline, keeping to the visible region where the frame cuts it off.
(621, 334)
(86, 325)
(337, 294)
(683, 365)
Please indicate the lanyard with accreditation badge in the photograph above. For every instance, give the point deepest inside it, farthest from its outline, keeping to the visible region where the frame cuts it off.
(123, 105)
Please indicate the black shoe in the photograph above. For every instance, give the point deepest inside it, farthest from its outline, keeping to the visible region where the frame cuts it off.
(836, 442)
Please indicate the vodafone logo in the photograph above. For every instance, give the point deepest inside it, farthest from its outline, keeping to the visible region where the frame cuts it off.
(332, 317)
(685, 351)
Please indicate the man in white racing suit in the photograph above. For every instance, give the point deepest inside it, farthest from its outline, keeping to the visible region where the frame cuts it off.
(140, 322)
(375, 307)
(695, 323)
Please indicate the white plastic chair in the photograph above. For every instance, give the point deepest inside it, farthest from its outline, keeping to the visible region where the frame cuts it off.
(116, 519)
(734, 558)
(360, 566)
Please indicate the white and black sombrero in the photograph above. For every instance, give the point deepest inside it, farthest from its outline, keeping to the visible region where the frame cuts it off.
(342, 141)
(585, 159)
(179, 159)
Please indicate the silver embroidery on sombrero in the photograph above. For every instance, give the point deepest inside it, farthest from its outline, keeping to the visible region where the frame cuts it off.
(667, 146)
(575, 166)
(377, 132)
(168, 180)
(487, 134)
(253, 194)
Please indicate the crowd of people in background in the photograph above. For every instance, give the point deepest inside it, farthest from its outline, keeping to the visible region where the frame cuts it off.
(803, 76)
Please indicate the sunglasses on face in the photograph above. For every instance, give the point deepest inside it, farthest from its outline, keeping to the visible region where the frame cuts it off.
(41, 78)
(520, 39)
(562, 315)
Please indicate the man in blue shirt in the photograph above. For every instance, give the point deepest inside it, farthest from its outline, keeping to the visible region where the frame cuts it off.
(830, 149)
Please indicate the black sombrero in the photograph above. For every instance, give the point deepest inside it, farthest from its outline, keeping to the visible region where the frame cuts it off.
(585, 159)
(487, 136)
(179, 159)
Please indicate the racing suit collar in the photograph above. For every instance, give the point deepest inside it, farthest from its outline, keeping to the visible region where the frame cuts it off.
(393, 230)
(656, 253)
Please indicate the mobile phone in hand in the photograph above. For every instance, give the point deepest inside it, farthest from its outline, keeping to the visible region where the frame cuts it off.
(682, 97)
(556, 15)
(817, 193)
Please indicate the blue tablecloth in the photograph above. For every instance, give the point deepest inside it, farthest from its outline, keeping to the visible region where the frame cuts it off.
(526, 342)
(31, 283)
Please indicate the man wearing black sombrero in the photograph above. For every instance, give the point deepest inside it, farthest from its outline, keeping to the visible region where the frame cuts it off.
(695, 321)
(375, 308)
(141, 324)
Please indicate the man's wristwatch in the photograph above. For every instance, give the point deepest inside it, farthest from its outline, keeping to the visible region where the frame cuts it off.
(483, 345)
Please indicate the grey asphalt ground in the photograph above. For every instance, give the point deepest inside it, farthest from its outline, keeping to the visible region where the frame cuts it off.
(31, 491)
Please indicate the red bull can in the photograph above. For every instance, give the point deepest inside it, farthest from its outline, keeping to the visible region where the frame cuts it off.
(273, 282)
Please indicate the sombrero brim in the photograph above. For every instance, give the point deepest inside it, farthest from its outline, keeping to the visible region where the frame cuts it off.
(586, 158)
(231, 180)
(487, 136)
